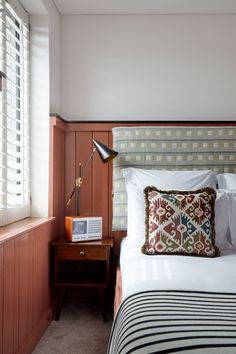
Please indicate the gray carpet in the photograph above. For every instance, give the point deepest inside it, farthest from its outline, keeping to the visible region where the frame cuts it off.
(80, 330)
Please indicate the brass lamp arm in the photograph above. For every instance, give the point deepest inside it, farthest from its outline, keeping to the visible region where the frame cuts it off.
(71, 196)
(78, 181)
(83, 172)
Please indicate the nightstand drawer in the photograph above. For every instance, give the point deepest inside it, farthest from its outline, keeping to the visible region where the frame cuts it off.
(82, 252)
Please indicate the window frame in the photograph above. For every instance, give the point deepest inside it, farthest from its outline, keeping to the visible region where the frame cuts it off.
(17, 183)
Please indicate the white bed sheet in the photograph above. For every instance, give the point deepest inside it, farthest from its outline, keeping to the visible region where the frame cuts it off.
(141, 272)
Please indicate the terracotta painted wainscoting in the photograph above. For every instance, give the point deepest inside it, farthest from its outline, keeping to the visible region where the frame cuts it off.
(96, 192)
(25, 290)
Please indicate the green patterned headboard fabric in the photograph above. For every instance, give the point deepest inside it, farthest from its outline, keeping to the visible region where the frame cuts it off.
(168, 148)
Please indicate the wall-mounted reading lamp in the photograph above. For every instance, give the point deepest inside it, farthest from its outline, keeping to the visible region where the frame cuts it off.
(106, 154)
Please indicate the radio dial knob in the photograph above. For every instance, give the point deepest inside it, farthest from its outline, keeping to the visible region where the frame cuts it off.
(81, 253)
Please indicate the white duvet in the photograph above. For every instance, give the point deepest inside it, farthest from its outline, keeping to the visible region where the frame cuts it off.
(141, 272)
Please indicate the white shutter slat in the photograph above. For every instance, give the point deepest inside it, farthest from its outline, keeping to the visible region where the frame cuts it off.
(14, 124)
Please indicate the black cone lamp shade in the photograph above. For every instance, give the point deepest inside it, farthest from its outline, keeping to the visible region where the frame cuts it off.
(106, 154)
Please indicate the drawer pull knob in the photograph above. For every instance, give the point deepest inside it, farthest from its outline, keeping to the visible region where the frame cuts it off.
(81, 253)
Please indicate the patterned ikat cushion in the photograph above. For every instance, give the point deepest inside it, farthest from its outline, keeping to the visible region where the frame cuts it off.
(180, 222)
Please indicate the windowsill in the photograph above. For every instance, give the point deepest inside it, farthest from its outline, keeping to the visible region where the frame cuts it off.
(22, 226)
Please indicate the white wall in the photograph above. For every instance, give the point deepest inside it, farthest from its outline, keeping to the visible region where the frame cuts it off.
(40, 114)
(45, 98)
(168, 67)
(54, 56)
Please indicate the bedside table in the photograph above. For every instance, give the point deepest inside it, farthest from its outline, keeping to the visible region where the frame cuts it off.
(81, 264)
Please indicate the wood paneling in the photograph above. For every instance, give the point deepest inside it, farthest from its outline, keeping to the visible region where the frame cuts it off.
(84, 149)
(42, 242)
(41, 271)
(24, 284)
(1, 297)
(8, 296)
(25, 291)
(31, 276)
(100, 185)
(96, 190)
(110, 187)
(107, 126)
(57, 175)
(16, 293)
(70, 173)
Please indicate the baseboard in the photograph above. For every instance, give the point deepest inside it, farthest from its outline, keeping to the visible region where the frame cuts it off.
(36, 333)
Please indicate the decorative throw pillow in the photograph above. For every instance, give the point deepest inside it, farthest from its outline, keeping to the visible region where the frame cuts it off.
(179, 222)
(137, 179)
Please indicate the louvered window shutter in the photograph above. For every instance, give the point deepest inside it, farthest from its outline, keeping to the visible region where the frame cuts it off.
(14, 113)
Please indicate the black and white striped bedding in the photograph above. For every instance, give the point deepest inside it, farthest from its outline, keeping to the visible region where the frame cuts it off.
(175, 322)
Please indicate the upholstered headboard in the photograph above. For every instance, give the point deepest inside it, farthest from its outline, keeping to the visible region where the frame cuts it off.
(169, 148)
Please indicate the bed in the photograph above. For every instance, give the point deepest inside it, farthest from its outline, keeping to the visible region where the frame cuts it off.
(173, 303)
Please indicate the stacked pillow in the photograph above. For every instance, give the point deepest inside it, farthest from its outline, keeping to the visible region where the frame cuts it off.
(176, 182)
(227, 181)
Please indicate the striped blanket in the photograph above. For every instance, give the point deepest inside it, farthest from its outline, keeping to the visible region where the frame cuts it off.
(175, 322)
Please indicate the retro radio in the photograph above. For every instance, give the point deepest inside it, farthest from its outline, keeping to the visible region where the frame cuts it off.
(80, 228)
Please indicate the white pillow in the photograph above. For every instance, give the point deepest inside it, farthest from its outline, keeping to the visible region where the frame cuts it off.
(136, 215)
(226, 181)
(232, 216)
(136, 204)
(167, 180)
(222, 212)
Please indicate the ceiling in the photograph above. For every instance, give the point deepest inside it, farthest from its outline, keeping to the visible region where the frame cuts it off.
(77, 7)
(33, 7)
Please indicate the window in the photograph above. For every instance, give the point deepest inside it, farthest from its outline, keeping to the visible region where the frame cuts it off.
(14, 113)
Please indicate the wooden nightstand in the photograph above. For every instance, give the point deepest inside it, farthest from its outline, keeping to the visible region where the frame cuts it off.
(81, 264)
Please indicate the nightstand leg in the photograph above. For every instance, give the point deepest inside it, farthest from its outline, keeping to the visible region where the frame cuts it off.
(59, 301)
(103, 302)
